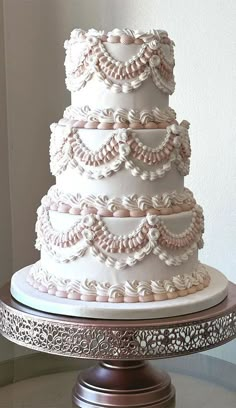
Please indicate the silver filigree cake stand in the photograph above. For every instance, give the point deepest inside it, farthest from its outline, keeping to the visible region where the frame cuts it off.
(122, 378)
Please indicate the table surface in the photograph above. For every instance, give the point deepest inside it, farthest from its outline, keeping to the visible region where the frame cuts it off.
(200, 381)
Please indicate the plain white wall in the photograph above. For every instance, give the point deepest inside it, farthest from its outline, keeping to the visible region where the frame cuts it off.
(205, 37)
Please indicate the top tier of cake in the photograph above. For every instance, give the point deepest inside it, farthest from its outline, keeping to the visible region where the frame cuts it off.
(126, 69)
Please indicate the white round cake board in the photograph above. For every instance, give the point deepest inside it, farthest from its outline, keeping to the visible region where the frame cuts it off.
(208, 297)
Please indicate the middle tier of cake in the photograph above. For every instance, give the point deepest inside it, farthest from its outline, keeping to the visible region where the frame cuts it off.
(119, 161)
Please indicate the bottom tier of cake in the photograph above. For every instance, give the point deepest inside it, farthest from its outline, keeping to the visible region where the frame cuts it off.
(204, 297)
(116, 260)
(126, 291)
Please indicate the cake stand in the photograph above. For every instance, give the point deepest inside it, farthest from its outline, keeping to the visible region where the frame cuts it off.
(122, 378)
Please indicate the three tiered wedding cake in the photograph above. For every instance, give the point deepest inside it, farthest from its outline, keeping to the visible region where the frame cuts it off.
(119, 232)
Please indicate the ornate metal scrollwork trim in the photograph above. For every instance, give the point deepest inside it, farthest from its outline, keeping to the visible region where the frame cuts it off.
(109, 342)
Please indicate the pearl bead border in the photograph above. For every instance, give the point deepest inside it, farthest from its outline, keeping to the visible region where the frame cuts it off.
(145, 291)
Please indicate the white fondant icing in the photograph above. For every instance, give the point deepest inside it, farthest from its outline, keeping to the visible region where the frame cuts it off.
(122, 183)
(98, 97)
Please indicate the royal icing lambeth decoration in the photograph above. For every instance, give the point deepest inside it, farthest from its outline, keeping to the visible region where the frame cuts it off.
(68, 151)
(151, 236)
(120, 118)
(128, 291)
(154, 59)
(137, 206)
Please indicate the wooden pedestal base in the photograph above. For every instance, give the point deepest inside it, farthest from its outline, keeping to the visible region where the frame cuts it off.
(124, 384)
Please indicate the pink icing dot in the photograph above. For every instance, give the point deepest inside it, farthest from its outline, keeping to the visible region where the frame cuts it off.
(73, 295)
(176, 209)
(162, 125)
(137, 213)
(79, 123)
(121, 213)
(166, 211)
(91, 125)
(105, 126)
(88, 298)
(147, 298)
(118, 299)
(102, 298)
(160, 296)
(113, 39)
(153, 211)
(42, 289)
(121, 126)
(63, 208)
(105, 213)
(89, 210)
(126, 39)
(151, 125)
(131, 299)
(51, 291)
(75, 211)
(61, 294)
(138, 41)
(53, 207)
(136, 125)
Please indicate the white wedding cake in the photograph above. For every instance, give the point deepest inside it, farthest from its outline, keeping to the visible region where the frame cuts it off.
(118, 231)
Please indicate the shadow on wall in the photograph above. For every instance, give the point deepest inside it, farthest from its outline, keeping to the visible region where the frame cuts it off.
(36, 96)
